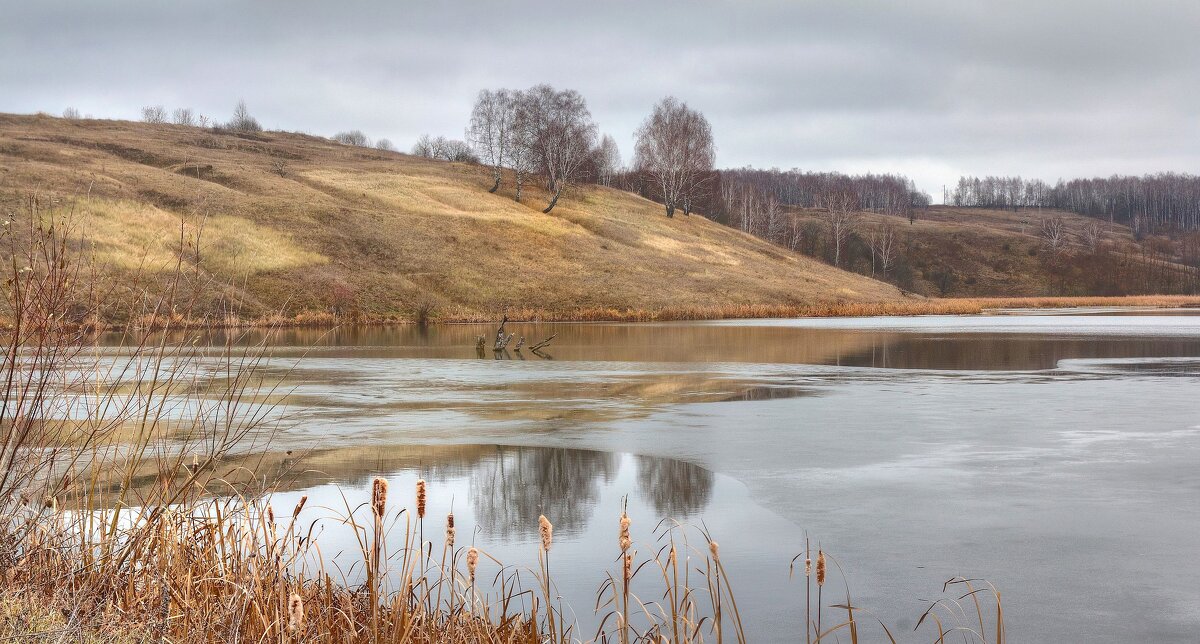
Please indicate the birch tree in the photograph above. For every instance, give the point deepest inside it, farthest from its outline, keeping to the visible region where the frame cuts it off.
(557, 129)
(675, 149)
(492, 132)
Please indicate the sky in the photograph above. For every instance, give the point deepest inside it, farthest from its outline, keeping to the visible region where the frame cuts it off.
(932, 89)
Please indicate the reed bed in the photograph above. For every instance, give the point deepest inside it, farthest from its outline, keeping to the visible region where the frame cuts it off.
(910, 306)
(233, 569)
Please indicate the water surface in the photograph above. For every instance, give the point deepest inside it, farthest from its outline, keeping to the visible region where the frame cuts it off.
(1054, 455)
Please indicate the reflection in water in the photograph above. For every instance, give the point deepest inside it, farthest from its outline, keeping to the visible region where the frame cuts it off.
(510, 490)
(508, 487)
(676, 489)
(497, 493)
(937, 342)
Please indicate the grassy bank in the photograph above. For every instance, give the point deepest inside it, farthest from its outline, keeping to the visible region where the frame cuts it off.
(903, 307)
(347, 232)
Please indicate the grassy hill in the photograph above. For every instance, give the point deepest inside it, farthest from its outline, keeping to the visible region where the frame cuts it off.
(973, 252)
(286, 223)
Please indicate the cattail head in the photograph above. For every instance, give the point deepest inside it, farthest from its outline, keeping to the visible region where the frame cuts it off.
(672, 556)
(820, 567)
(295, 613)
(270, 514)
(299, 507)
(472, 561)
(379, 489)
(421, 498)
(808, 567)
(715, 549)
(628, 572)
(450, 530)
(624, 540)
(547, 530)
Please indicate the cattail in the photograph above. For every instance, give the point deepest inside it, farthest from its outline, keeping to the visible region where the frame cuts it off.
(379, 496)
(547, 530)
(671, 557)
(270, 515)
(450, 530)
(625, 541)
(715, 549)
(628, 567)
(808, 567)
(472, 561)
(820, 567)
(295, 613)
(421, 498)
(299, 507)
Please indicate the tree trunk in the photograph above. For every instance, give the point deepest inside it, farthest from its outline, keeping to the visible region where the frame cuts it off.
(496, 185)
(553, 201)
(670, 211)
(520, 184)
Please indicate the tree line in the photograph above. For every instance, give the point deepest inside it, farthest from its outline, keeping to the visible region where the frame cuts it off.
(1164, 201)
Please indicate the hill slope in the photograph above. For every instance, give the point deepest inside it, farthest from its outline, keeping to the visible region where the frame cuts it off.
(974, 252)
(294, 223)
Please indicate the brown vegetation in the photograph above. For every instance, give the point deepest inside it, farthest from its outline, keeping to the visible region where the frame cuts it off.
(350, 234)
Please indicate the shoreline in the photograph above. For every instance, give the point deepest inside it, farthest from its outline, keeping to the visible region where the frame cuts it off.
(893, 308)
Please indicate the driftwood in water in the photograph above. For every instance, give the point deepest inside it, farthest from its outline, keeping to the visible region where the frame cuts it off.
(520, 343)
(543, 343)
(501, 342)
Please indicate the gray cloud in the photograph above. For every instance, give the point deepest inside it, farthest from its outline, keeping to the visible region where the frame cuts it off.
(931, 88)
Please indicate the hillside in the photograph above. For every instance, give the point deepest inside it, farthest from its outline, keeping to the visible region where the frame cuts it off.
(294, 224)
(973, 252)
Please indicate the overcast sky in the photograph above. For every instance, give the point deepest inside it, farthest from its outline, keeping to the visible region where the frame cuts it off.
(929, 88)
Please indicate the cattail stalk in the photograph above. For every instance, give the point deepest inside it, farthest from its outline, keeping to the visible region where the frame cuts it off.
(472, 563)
(820, 585)
(379, 489)
(546, 530)
(421, 522)
(295, 614)
(807, 592)
(625, 542)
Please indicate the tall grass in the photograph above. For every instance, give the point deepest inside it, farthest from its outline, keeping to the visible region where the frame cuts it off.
(458, 315)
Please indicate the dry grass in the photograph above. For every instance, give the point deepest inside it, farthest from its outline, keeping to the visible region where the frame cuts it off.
(238, 570)
(367, 235)
(998, 253)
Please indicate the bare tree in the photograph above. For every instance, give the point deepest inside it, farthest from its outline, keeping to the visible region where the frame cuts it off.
(675, 148)
(183, 116)
(840, 207)
(385, 145)
(1091, 235)
(608, 160)
(883, 247)
(1053, 233)
(560, 135)
(154, 114)
(492, 130)
(353, 137)
(71, 113)
(441, 148)
(242, 121)
(426, 146)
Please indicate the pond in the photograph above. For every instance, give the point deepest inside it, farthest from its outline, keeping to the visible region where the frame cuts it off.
(1055, 455)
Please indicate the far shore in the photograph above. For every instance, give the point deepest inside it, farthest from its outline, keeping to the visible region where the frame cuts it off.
(894, 308)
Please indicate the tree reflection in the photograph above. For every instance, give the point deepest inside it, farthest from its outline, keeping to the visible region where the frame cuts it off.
(509, 491)
(676, 489)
